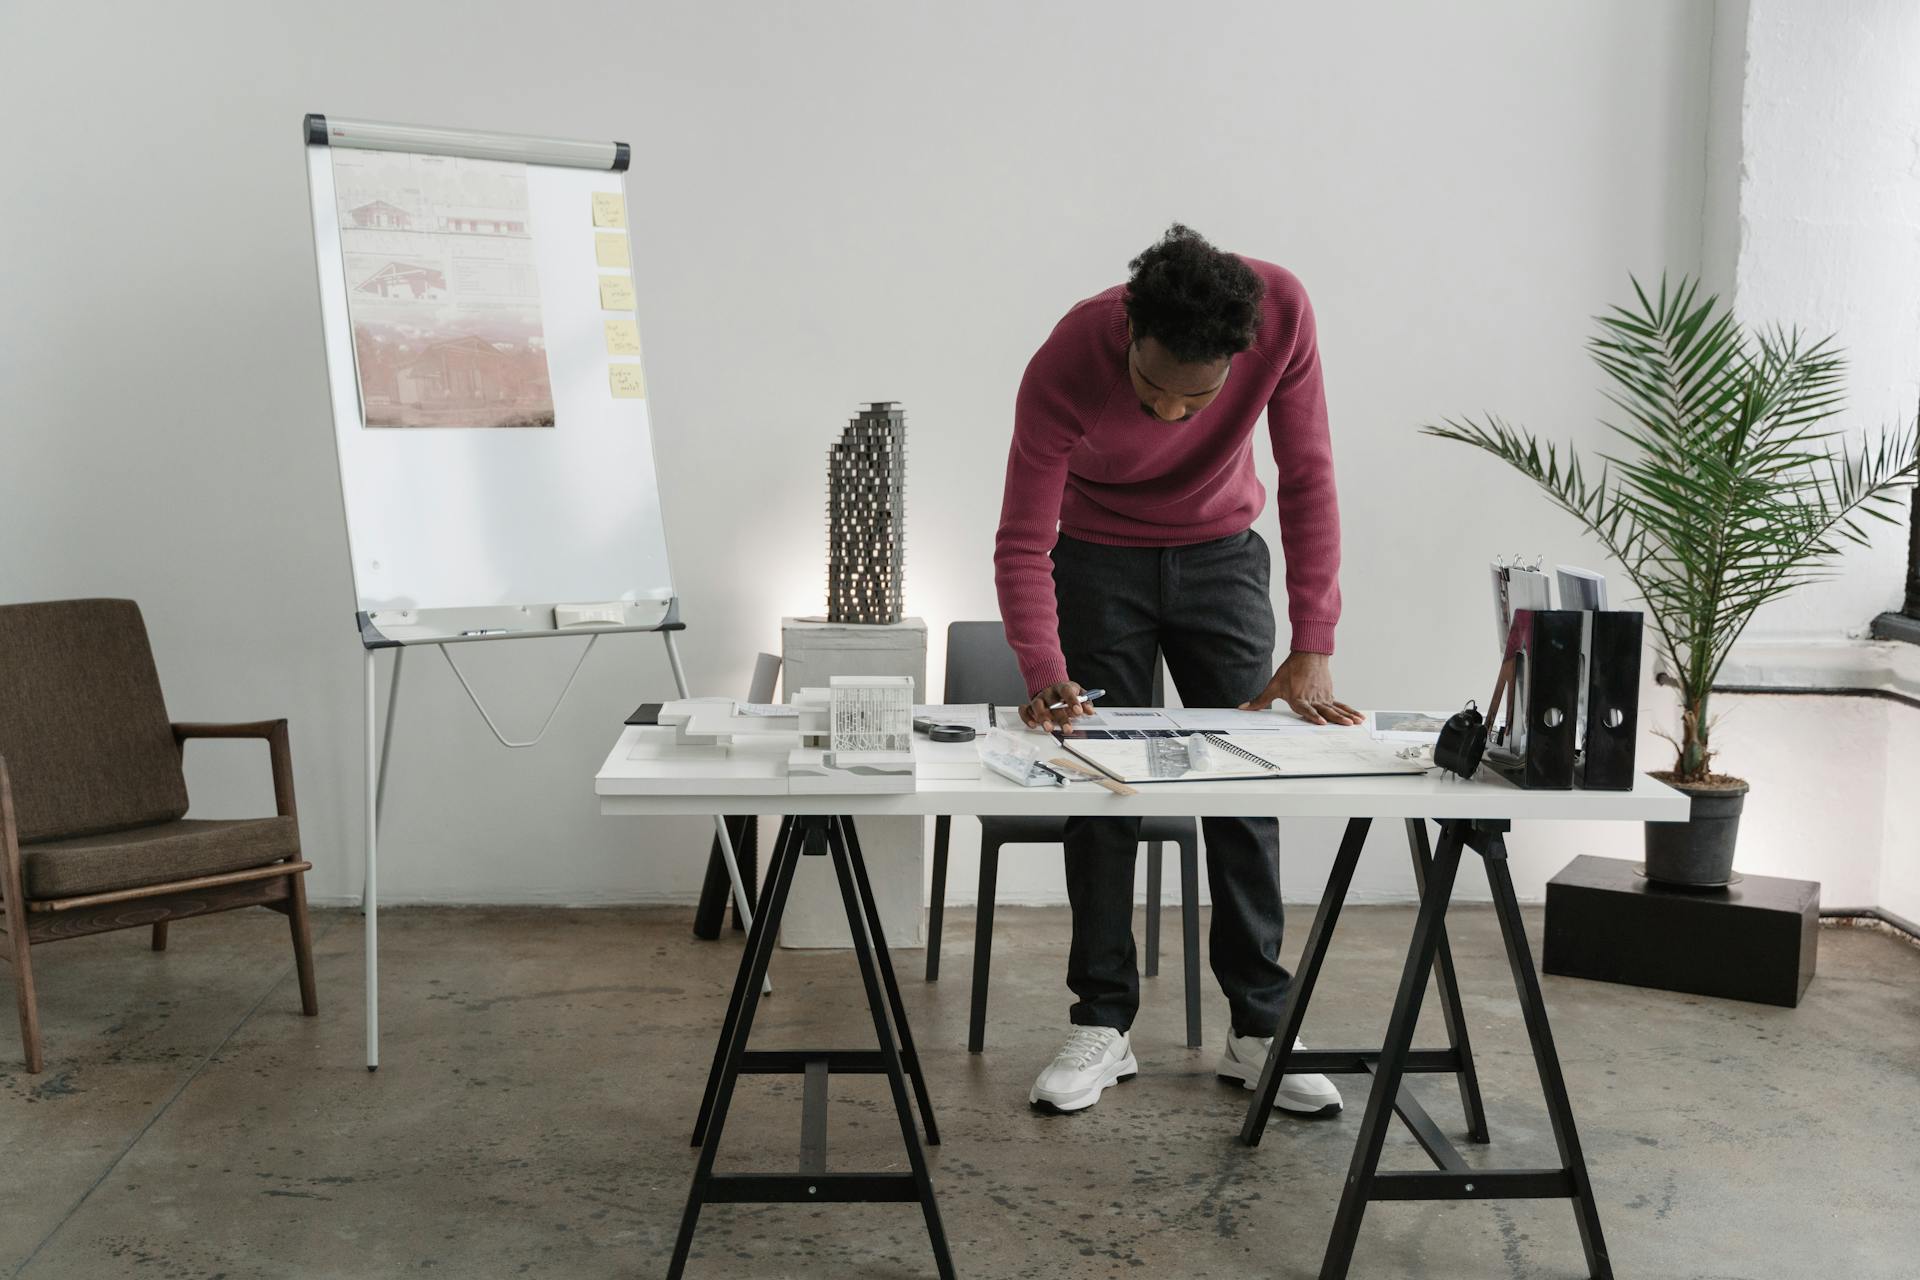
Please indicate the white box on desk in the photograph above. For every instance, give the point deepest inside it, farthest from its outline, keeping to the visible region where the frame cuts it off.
(735, 775)
(946, 761)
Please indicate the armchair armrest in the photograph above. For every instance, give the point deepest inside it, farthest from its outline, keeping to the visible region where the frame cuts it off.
(279, 752)
(245, 729)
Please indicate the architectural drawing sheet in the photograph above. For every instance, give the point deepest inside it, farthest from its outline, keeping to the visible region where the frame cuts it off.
(1219, 757)
(441, 291)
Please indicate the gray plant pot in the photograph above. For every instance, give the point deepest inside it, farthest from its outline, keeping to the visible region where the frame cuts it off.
(1698, 853)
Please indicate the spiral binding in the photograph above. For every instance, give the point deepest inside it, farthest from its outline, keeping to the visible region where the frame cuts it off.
(1242, 752)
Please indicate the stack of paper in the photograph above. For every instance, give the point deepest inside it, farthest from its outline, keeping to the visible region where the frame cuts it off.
(1232, 720)
(1135, 723)
(1219, 757)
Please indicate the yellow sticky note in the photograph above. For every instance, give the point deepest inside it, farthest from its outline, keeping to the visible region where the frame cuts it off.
(623, 338)
(610, 250)
(609, 209)
(616, 293)
(626, 382)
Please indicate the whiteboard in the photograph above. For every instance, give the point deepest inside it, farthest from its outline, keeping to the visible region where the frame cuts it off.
(451, 528)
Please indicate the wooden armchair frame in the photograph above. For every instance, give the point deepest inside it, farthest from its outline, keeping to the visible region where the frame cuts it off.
(278, 886)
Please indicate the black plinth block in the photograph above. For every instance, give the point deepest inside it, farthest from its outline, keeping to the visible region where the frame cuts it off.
(1754, 940)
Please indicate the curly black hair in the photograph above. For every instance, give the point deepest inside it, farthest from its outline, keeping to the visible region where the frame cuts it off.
(1201, 304)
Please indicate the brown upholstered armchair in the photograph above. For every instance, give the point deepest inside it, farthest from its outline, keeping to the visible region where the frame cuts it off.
(93, 800)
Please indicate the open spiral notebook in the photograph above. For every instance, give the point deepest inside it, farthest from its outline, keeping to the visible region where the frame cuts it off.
(1226, 757)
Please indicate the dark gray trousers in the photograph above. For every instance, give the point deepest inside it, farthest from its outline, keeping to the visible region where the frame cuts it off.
(1207, 608)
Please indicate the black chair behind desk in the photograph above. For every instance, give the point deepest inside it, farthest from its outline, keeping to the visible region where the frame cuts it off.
(981, 668)
(743, 830)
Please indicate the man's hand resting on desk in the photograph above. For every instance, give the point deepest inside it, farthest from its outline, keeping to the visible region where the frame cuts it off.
(1305, 683)
(1039, 712)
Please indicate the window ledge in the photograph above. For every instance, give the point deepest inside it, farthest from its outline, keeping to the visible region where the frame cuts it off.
(1890, 668)
(1896, 626)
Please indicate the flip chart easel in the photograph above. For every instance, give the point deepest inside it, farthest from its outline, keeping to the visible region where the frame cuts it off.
(463, 534)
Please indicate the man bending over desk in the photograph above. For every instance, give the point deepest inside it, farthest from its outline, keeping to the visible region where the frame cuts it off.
(1126, 533)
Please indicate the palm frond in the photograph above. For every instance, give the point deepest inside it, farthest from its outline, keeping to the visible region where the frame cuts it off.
(1734, 488)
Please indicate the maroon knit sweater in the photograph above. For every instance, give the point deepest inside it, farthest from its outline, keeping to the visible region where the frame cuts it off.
(1089, 462)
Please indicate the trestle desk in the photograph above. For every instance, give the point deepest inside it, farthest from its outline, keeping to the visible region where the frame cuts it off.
(1471, 816)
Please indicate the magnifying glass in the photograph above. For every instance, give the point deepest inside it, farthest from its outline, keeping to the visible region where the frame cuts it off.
(942, 732)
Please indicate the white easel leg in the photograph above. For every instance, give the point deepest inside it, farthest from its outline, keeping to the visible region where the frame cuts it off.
(370, 889)
(386, 742)
(719, 823)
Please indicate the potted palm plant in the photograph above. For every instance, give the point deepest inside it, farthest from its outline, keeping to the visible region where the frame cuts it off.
(1732, 491)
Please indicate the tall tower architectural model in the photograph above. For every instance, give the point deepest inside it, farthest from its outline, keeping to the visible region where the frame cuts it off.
(866, 517)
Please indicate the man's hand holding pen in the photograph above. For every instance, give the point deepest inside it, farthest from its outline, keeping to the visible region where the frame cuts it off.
(1057, 706)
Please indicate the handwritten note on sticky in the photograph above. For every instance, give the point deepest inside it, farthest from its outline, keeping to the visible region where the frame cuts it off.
(616, 293)
(623, 338)
(609, 209)
(610, 249)
(626, 381)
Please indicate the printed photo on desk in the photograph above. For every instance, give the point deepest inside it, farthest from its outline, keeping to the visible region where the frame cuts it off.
(1406, 726)
(441, 291)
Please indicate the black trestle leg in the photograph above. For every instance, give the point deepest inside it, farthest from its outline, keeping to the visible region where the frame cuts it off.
(717, 890)
(1300, 991)
(1150, 966)
(1449, 992)
(712, 910)
(937, 901)
(1393, 1054)
(746, 852)
(734, 1036)
(1190, 935)
(732, 1020)
(1552, 1083)
(983, 943)
(881, 953)
(864, 948)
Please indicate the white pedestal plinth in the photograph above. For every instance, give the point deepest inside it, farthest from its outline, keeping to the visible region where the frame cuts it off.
(895, 848)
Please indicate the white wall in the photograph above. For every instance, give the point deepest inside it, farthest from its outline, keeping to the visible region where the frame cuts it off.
(1726, 81)
(1899, 890)
(1829, 237)
(833, 203)
(1822, 230)
(1818, 768)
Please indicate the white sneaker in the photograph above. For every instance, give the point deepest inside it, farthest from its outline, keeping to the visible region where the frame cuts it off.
(1307, 1095)
(1092, 1059)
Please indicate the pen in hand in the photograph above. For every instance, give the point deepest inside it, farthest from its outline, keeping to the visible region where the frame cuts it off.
(1087, 696)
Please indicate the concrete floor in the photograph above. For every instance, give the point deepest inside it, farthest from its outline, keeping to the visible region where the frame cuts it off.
(542, 1068)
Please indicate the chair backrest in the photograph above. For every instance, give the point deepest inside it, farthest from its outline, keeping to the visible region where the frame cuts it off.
(766, 677)
(981, 667)
(83, 727)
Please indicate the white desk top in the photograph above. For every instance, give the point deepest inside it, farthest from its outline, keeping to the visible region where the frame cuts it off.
(1433, 795)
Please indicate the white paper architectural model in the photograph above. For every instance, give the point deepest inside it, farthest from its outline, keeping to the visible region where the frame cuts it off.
(871, 719)
(855, 736)
(866, 517)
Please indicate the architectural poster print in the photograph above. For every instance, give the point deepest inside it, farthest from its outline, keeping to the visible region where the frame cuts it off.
(441, 291)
